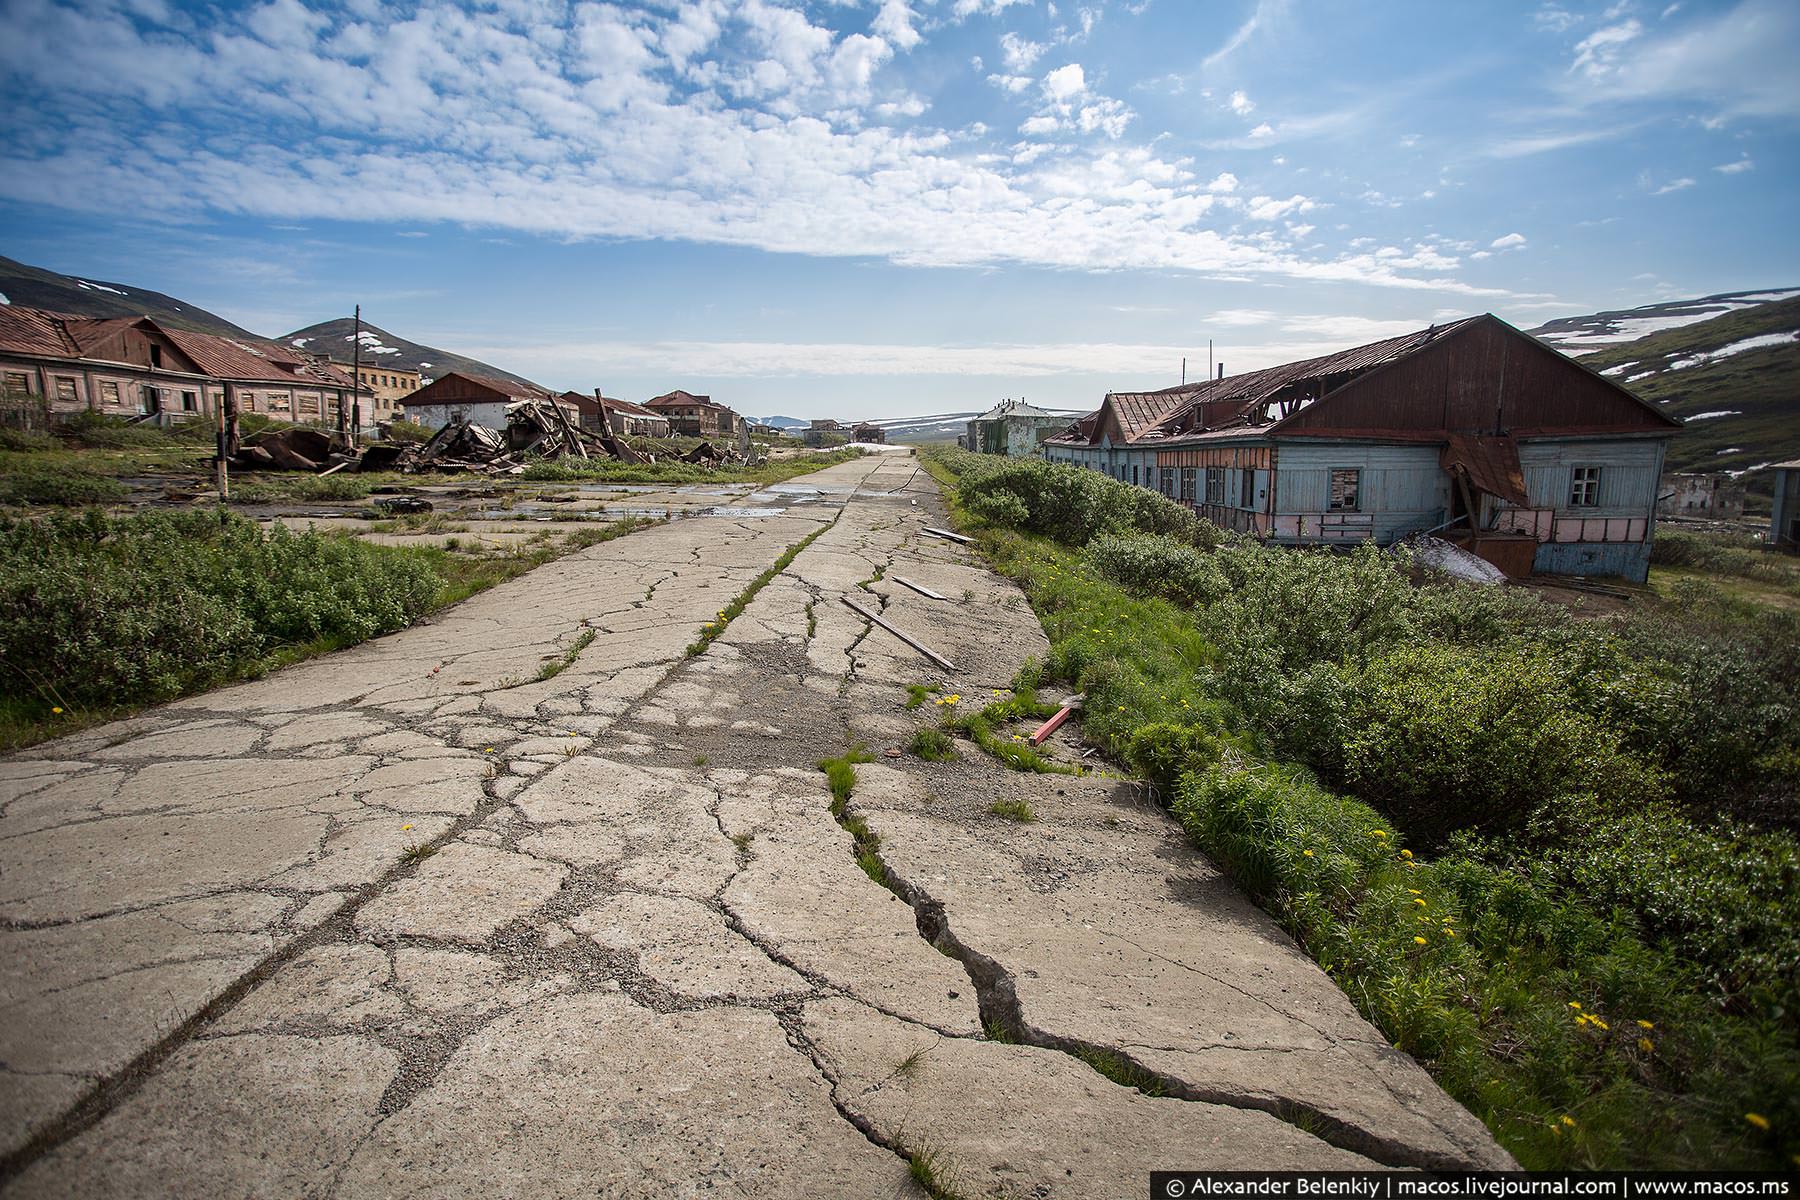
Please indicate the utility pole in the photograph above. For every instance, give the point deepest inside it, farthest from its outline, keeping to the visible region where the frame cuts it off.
(220, 471)
(1209, 366)
(1184, 370)
(355, 381)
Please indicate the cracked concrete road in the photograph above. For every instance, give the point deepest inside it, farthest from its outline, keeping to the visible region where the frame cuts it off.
(408, 921)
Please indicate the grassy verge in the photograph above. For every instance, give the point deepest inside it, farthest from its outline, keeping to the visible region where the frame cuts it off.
(840, 776)
(1486, 821)
(103, 616)
(565, 470)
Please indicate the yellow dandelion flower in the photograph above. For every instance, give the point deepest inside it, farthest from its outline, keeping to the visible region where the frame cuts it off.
(1307, 853)
(405, 827)
(1568, 1120)
(1575, 1004)
(1646, 1045)
(1758, 1120)
(1378, 833)
(1406, 854)
(1421, 941)
(1448, 932)
(1643, 1024)
(56, 709)
(1415, 891)
(1420, 901)
(489, 750)
(1599, 1023)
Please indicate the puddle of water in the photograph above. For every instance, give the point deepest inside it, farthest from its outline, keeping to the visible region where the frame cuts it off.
(730, 510)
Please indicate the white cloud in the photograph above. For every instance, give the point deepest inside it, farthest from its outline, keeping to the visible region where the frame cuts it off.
(1511, 241)
(894, 22)
(1241, 104)
(1597, 55)
(745, 126)
(1265, 11)
(1674, 185)
(1018, 53)
(1736, 168)
(1065, 83)
(1734, 62)
(1011, 83)
(1267, 208)
(1264, 130)
(964, 9)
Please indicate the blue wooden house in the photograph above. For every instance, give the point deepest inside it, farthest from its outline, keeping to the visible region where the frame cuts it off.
(1472, 430)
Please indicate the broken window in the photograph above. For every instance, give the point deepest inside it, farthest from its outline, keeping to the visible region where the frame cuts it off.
(1346, 489)
(1215, 485)
(1246, 489)
(65, 388)
(109, 392)
(1584, 489)
(190, 402)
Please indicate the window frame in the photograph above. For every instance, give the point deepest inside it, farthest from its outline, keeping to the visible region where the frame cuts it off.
(1584, 485)
(1334, 500)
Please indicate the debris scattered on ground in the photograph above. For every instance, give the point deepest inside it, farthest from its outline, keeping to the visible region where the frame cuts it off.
(1439, 555)
(877, 619)
(296, 448)
(919, 588)
(1069, 705)
(945, 533)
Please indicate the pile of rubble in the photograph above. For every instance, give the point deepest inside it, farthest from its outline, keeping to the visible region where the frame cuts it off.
(536, 430)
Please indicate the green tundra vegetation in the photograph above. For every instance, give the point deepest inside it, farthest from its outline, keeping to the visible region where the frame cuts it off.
(1551, 856)
(100, 615)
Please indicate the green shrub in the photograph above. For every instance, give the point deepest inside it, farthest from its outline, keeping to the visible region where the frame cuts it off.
(106, 431)
(1442, 739)
(1157, 565)
(1072, 504)
(31, 484)
(97, 611)
(932, 745)
(26, 440)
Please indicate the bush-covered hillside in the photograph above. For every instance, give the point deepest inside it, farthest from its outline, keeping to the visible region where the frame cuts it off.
(1552, 857)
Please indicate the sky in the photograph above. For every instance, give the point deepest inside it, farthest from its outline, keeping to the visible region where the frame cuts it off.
(860, 208)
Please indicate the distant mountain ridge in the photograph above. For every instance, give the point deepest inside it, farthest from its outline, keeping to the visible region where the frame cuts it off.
(36, 287)
(335, 338)
(1733, 378)
(1586, 334)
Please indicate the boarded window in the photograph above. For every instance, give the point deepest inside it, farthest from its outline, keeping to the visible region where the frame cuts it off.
(65, 388)
(1246, 489)
(1346, 489)
(1215, 485)
(109, 392)
(1584, 489)
(18, 381)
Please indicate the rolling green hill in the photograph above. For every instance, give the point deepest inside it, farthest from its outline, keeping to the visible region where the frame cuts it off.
(1735, 380)
(35, 287)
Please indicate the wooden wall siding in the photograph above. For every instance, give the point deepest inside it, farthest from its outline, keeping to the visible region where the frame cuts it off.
(1325, 527)
(1234, 457)
(1463, 382)
(1238, 520)
(1540, 523)
(1395, 479)
(1784, 522)
(1600, 529)
(1626, 560)
(1629, 472)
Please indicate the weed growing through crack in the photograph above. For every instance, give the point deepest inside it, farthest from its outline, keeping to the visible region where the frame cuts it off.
(742, 840)
(558, 665)
(980, 727)
(909, 1065)
(933, 1171)
(1120, 1070)
(840, 775)
(996, 1031)
(918, 693)
(418, 852)
(932, 745)
(731, 611)
(700, 760)
(1013, 810)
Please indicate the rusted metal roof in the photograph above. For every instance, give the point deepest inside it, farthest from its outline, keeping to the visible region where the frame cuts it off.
(235, 358)
(678, 397)
(1490, 464)
(33, 331)
(450, 386)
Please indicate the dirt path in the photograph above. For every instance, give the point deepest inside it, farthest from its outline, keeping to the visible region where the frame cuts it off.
(640, 957)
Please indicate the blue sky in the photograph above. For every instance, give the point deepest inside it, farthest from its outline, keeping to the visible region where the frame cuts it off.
(902, 206)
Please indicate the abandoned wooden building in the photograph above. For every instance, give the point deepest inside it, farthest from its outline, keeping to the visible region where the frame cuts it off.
(1472, 430)
(477, 399)
(624, 417)
(1012, 427)
(696, 416)
(58, 364)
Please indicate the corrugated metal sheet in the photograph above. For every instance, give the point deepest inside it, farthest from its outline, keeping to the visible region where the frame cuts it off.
(33, 331)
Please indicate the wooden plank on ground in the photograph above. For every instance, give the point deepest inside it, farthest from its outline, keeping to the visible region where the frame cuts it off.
(919, 588)
(878, 619)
